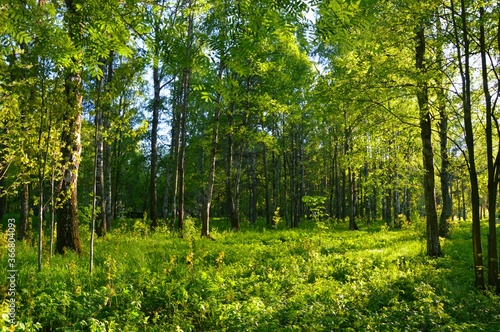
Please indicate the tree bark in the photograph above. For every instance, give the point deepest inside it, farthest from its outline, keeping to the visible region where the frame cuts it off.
(100, 216)
(186, 77)
(68, 236)
(493, 161)
(433, 245)
(3, 198)
(106, 205)
(209, 190)
(352, 201)
(464, 67)
(153, 214)
(269, 220)
(233, 174)
(24, 212)
(175, 150)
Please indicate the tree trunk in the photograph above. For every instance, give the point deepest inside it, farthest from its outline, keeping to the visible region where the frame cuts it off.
(445, 176)
(186, 77)
(3, 197)
(233, 172)
(182, 149)
(269, 220)
(464, 67)
(352, 201)
(106, 205)
(24, 212)
(52, 212)
(207, 202)
(153, 214)
(493, 162)
(100, 216)
(433, 245)
(68, 236)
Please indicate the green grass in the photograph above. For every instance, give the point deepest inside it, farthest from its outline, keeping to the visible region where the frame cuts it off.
(259, 279)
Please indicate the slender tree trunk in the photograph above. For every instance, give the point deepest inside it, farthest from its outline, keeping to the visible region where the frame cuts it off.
(186, 77)
(445, 176)
(108, 172)
(175, 148)
(352, 201)
(336, 168)
(233, 174)
(207, 202)
(3, 197)
(108, 175)
(24, 212)
(153, 214)
(231, 197)
(167, 189)
(464, 68)
(269, 220)
(3, 170)
(94, 193)
(52, 212)
(433, 245)
(99, 194)
(106, 204)
(493, 162)
(42, 162)
(252, 185)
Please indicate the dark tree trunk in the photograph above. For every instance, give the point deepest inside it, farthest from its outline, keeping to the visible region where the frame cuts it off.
(433, 245)
(207, 202)
(231, 199)
(252, 185)
(153, 201)
(445, 176)
(3, 197)
(233, 174)
(185, 104)
(493, 162)
(177, 96)
(269, 220)
(24, 212)
(338, 213)
(446, 211)
(352, 201)
(464, 67)
(108, 175)
(100, 202)
(182, 149)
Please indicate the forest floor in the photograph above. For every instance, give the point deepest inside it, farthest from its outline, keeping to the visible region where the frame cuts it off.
(319, 277)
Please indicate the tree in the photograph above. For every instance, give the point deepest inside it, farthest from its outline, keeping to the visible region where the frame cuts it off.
(68, 236)
(493, 161)
(433, 245)
(462, 44)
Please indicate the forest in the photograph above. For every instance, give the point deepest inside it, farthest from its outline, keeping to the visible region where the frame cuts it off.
(236, 165)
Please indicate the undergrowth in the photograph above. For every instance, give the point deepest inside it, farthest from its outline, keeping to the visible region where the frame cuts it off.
(260, 279)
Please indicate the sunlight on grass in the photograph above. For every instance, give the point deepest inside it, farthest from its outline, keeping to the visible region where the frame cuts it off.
(259, 279)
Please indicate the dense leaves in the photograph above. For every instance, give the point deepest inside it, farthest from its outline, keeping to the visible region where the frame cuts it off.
(339, 114)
